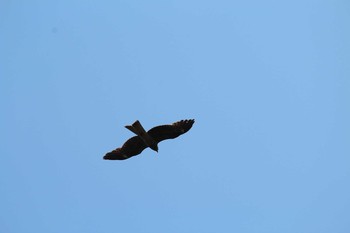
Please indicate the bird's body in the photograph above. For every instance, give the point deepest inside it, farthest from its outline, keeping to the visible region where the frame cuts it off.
(137, 144)
(137, 129)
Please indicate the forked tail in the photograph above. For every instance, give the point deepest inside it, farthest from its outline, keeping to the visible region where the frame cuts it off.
(136, 128)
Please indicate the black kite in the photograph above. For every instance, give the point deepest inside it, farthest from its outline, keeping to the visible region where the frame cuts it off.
(137, 144)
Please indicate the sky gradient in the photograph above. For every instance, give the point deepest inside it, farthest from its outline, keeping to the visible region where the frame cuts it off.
(266, 81)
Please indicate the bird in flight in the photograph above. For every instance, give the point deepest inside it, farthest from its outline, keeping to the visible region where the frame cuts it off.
(151, 138)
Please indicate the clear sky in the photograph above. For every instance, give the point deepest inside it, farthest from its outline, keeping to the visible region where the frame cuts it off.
(268, 83)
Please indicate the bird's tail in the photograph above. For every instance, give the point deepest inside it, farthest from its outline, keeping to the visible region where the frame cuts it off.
(137, 129)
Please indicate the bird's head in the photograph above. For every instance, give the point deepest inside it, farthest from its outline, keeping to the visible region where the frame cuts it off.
(154, 147)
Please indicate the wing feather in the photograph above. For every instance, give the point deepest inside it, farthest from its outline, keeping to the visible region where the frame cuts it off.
(163, 132)
(131, 147)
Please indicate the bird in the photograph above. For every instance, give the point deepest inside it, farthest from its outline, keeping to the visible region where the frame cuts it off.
(151, 138)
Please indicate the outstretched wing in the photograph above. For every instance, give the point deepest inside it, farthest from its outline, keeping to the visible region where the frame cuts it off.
(163, 132)
(131, 147)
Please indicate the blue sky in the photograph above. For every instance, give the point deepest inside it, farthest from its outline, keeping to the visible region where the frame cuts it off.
(267, 82)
